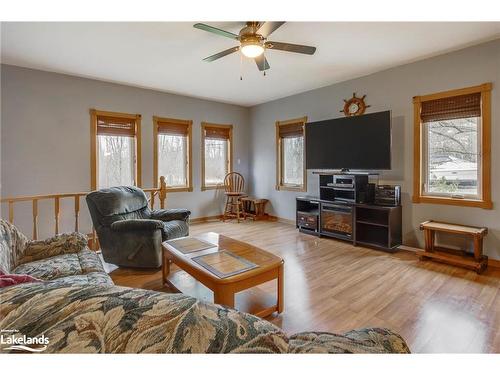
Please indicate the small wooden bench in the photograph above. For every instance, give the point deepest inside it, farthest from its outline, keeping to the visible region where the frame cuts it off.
(477, 261)
(254, 207)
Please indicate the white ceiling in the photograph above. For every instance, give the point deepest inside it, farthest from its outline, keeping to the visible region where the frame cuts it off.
(168, 56)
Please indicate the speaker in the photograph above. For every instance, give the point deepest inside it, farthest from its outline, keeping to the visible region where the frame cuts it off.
(388, 195)
(367, 195)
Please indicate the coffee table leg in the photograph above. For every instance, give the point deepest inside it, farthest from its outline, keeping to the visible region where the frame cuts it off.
(281, 289)
(224, 296)
(165, 267)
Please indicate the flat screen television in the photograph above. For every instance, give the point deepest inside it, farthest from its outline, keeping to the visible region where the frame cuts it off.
(357, 142)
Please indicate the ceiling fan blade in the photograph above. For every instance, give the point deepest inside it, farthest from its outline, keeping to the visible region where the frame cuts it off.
(221, 54)
(215, 30)
(288, 47)
(267, 28)
(262, 63)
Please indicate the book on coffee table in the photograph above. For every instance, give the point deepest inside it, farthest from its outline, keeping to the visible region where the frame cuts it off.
(224, 263)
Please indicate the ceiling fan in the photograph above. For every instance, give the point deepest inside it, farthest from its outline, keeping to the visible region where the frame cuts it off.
(253, 42)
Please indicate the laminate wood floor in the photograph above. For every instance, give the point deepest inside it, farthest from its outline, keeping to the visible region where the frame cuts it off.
(332, 286)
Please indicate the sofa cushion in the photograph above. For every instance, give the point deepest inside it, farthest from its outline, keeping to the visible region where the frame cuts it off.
(90, 261)
(85, 261)
(64, 243)
(92, 278)
(112, 319)
(9, 279)
(366, 340)
(12, 244)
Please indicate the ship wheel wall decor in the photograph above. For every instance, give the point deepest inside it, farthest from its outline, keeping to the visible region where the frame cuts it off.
(354, 106)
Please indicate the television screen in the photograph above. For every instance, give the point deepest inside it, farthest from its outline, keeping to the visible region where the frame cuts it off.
(357, 142)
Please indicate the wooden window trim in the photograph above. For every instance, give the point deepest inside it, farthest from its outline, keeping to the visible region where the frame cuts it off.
(279, 161)
(189, 170)
(94, 163)
(418, 197)
(230, 153)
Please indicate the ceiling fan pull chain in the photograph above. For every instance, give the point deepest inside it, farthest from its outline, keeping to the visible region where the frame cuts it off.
(241, 67)
(264, 57)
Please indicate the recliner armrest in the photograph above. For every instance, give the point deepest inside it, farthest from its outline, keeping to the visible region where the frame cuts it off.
(170, 214)
(131, 225)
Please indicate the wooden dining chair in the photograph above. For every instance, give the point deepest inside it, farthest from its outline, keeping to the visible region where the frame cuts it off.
(234, 184)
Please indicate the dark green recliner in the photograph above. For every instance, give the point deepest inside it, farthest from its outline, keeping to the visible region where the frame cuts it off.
(129, 233)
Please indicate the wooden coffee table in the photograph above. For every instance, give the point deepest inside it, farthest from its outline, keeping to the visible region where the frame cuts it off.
(269, 267)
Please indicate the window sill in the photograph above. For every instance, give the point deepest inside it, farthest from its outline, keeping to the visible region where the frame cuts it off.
(454, 201)
(291, 188)
(179, 189)
(212, 187)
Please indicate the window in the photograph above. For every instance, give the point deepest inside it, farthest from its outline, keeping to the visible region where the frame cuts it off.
(115, 149)
(173, 153)
(452, 147)
(290, 155)
(217, 154)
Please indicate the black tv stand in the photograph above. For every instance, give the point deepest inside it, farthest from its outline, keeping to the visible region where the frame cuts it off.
(344, 210)
(363, 224)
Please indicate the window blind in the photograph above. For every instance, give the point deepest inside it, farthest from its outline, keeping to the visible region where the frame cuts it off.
(217, 133)
(291, 130)
(107, 125)
(455, 107)
(172, 128)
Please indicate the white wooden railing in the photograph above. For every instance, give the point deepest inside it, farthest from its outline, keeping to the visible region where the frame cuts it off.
(160, 192)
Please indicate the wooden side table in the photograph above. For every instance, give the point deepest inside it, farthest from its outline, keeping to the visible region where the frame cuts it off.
(254, 207)
(477, 261)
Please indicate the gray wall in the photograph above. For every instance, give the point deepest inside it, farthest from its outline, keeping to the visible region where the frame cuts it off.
(391, 89)
(46, 136)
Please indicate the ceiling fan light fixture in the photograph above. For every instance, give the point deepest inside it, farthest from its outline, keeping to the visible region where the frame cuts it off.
(253, 42)
(252, 46)
(252, 50)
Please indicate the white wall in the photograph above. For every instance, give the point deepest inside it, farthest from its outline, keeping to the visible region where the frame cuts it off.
(46, 136)
(392, 89)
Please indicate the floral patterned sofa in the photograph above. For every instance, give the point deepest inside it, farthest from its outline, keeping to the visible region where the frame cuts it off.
(62, 259)
(77, 307)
